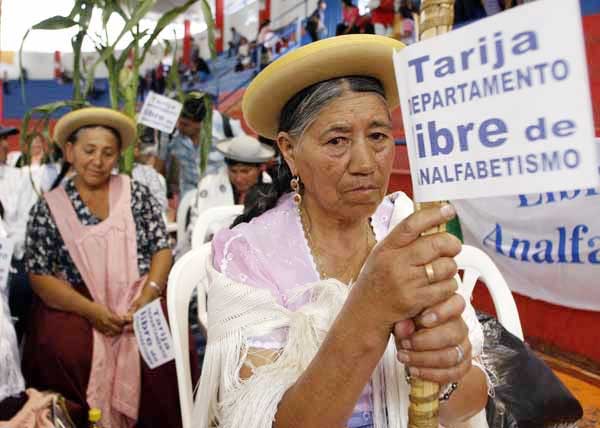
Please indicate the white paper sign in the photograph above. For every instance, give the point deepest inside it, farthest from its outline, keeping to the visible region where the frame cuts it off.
(6, 251)
(153, 335)
(547, 245)
(500, 107)
(160, 112)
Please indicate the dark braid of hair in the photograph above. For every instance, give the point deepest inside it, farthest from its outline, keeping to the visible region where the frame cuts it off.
(61, 175)
(296, 116)
(268, 196)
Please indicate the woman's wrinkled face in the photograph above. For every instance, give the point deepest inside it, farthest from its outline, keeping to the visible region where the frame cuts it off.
(345, 157)
(94, 155)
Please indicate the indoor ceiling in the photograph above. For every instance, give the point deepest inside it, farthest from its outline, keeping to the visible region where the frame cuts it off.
(163, 6)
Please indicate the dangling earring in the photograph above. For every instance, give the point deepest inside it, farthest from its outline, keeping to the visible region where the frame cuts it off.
(295, 185)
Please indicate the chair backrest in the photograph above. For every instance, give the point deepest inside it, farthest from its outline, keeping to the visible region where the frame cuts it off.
(210, 216)
(183, 209)
(478, 265)
(187, 274)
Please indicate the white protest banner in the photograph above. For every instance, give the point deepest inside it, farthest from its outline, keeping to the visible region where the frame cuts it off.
(501, 106)
(160, 112)
(153, 335)
(6, 251)
(547, 245)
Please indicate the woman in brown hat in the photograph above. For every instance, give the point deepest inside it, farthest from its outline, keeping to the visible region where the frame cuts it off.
(97, 251)
(313, 296)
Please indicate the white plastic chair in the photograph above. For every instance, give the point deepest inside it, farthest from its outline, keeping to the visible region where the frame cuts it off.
(187, 274)
(211, 216)
(478, 265)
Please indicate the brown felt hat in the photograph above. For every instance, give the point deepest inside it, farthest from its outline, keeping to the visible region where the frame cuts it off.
(342, 56)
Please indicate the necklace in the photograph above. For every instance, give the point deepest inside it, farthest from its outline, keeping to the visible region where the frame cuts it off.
(352, 267)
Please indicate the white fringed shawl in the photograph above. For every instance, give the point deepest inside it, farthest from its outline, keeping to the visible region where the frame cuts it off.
(238, 312)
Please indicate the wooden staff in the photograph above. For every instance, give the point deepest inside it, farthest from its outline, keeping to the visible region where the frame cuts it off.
(436, 17)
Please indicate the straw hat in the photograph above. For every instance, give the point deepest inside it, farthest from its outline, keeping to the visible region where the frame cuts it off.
(245, 149)
(351, 55)
(91, 116)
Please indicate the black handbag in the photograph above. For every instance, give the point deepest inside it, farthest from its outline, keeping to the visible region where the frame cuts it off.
(527, 394)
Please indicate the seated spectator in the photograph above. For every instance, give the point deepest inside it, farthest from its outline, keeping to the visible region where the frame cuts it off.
(97, 251)
(234, 43)
(349, 24)
(201, 68)
(315, 24)
(245, 159)
(407, 27)
(244, 55)
(145, 174)
(382, 15)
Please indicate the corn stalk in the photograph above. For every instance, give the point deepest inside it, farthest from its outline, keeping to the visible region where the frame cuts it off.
(436, 17)
(123, 82)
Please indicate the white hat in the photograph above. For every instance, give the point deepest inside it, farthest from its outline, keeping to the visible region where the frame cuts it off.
(245, 149)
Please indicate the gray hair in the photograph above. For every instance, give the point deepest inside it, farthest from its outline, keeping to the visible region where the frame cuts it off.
(302, 109)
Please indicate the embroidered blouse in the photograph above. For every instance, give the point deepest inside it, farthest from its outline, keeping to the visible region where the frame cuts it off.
(271, 252)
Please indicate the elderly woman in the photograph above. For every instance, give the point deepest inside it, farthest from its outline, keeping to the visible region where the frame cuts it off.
(313, 304)
(97, 251)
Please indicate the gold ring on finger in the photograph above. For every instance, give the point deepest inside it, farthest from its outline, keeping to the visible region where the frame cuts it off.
(430, 273)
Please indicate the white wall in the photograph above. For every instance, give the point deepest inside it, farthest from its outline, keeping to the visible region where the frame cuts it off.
(243, 15)
(40, 65)
(297, 9)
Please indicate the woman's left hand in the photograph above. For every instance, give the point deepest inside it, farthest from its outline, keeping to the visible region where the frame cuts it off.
(147, 295)
(432, 353)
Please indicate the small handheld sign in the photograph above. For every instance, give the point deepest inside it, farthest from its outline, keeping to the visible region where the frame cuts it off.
(160, 112)
(500, 106)
(153, 335)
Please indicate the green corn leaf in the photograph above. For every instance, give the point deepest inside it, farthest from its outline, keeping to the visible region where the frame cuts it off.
(46, 111)
(143, 7)
(77, 8)
(107, 11)
(77, 42)
(173, 79)
(206, 134)
(210, 27)
(165, 20)
(123, 57)
(21, 77)
(55, 23)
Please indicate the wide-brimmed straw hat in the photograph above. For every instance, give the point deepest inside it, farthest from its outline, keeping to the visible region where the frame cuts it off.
(99, 116)
(245, 149)
(342, 56)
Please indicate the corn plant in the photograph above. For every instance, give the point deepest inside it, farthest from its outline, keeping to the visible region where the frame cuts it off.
(122, 82)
